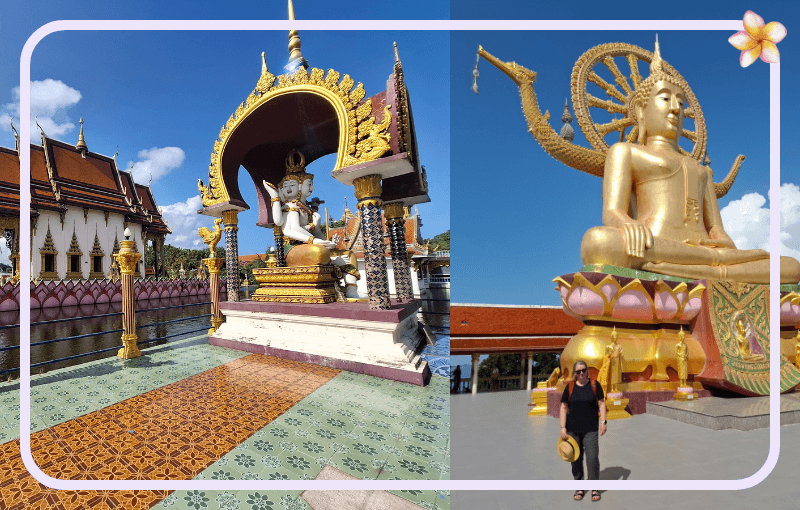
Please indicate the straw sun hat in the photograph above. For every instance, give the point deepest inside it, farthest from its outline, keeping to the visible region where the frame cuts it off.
(568, 449)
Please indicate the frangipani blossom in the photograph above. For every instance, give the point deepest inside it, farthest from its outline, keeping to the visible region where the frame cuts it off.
(758, 40)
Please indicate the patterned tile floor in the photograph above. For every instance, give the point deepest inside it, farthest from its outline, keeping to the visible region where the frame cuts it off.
(368, 427)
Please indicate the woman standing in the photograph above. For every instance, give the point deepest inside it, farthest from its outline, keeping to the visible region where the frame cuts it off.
(581, 402)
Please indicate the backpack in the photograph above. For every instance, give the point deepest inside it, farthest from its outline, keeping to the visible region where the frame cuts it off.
(571, 386)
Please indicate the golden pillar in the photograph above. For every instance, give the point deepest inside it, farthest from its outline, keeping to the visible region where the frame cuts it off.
(231, 253)
(368, 193)
(127, 258)
(213, 265)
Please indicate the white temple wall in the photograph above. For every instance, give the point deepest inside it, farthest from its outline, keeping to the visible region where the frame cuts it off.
(84, 229)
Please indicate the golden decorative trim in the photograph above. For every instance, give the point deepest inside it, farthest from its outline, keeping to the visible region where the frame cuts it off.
(393, 211)
(368, 186)
(369, 201)
(214, 264)
(361, 139)
(231, 219)
(127, 257)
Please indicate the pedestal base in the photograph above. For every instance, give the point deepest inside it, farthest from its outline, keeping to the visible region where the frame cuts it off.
(685, 395)
(615, 406)
(539, 401)
(348, 336)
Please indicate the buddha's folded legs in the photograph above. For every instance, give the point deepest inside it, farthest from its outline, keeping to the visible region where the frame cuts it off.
(606, 245)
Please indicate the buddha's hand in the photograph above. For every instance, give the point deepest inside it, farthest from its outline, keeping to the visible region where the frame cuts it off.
(637, 238)
(271, 189)
(327, 244)
(718, 239)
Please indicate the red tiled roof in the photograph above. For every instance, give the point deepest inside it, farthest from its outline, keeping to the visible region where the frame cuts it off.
(93, 182)
(496, 329)
(90, 170)
(466, 320)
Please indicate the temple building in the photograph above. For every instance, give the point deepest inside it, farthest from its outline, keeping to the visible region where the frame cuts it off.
(81, 204)
(349, 236)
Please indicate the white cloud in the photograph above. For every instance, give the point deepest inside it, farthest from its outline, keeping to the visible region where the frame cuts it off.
(50, 100)
(747, 221)
(184, 223)
(156, 162)
(790, 220)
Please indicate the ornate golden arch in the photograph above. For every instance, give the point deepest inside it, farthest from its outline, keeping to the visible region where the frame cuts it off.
(361, 139)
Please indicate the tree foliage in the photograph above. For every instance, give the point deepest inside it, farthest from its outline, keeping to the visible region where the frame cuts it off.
(174, 257)
(510, 364)
(440, 242)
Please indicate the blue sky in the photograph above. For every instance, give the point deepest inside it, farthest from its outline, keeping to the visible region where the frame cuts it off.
(161, 97)
(537, 209)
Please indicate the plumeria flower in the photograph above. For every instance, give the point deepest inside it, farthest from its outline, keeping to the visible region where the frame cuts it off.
(758, 40)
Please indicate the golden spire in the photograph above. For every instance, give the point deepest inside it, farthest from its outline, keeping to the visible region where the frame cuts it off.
(296, 58)
(81, 145)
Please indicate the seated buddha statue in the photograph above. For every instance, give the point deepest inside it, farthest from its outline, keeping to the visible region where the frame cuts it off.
(291, 212)
(660, 211)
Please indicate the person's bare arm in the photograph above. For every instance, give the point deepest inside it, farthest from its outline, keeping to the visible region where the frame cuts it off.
(603, 412)
(563, 416)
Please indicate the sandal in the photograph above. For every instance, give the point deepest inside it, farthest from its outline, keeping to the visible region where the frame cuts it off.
(595, 495)
(579, 495)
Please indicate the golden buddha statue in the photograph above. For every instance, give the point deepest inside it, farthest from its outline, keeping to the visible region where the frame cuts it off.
(660, 211)
(743, 341)
(677, 229)
(682, 354)
(614, 354)
(554, 376)
(603, 373)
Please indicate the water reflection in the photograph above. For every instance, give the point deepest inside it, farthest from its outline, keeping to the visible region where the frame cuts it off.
(58, 323)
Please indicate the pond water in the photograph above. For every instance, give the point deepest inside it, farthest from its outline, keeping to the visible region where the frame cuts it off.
(58, 323)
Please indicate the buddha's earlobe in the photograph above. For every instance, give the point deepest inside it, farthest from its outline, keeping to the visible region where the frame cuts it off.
(640, 122)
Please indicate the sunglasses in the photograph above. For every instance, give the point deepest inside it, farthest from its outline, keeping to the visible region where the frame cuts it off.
(581, 371)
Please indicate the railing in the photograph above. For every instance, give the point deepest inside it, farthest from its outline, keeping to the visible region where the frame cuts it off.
(511, 382)
(441, 279)
(116, 347)
(442, 253)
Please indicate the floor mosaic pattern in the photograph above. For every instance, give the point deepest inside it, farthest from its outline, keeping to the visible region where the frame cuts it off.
(438, 355)
(67, 393)
(193, 410)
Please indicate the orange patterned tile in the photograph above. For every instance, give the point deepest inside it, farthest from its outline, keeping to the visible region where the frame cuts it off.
(177, 432)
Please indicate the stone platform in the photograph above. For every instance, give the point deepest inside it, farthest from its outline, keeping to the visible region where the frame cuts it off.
(347, 336)
(638, 401)
(717, 413)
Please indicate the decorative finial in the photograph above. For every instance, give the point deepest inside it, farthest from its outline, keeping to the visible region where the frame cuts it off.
(296, 58)
(36, 120)
(81, 145)
(475, 73)
(567, 133)
(656, 64)
(16, 135)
